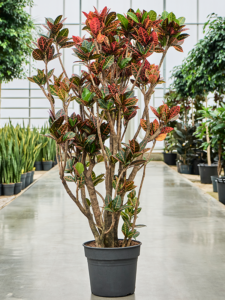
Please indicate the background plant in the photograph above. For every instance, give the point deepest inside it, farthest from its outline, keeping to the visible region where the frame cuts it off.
(215, 121)
(15, 37)
(203, 71)
(114, 55)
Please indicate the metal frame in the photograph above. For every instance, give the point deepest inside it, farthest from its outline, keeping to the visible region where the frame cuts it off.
(29, 89)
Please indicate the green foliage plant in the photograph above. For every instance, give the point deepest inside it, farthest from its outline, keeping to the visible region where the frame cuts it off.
(16, 35)
(203, 71)
(114, 56)
(214, 120)
(170, 143)
(186, 140)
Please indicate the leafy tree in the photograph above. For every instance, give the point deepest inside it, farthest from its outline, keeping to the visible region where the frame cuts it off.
(15, 37)
(115, 54)
(203, 71)
(215, 122)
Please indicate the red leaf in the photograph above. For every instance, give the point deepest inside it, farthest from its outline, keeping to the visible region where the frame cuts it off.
(155, 38)
(42, 41)
(174, 111)
(77, 39)
(143, 34)
(154, 111)
(155, 125)
(167, 129)
(95, 25)
(143, 124)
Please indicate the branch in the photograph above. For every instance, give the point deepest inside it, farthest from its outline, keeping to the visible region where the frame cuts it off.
(61, 63)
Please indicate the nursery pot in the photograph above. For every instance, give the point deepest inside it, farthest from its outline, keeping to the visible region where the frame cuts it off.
(53, 164)
(23, 180)
(170, 158)
(221, 189)
(8, 189)
(27, 181)
(0, 189)
(47, 165)
(31, 177)
(112, 271)
(38, 165)
(185, 169)
(18, 188)
(206, 172)
(195, 164)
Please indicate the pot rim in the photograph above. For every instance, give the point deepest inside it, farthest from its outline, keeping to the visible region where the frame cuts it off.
(8, 183)
(116, 248)
(206, 165)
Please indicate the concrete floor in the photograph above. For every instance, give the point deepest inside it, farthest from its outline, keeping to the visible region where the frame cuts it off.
(182, 256)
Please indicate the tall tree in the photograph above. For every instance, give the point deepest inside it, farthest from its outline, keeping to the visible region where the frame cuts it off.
(15, 36)
(203, 71)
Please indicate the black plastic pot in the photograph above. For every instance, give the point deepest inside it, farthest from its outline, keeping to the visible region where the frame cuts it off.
(53, 164)
(112, 271)
(221, 189)
(1, 189)
(23, 180)
(8, 189)
(27, 181)
(18, 188)
(38, 165)
(47, 165)
(206, 172)
(195, 164)
(170, 158)
(31, 177)
(185, 169)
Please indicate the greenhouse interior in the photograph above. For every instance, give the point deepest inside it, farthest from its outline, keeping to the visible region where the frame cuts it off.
(112, 149)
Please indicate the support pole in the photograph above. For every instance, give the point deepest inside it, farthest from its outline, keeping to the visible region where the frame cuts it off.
(207, 136)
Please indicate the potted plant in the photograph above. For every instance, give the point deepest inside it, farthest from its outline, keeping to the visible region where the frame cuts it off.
(114, 56)
(185, 145)
(170, 145)
(7, 166)
(47, 155)
(215, 122)
(43, 141)
(18, 164)
(191, 79)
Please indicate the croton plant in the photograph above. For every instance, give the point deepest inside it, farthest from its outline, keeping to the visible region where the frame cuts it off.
(115, 56)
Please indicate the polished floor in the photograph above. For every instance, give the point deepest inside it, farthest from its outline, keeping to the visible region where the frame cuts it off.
(182, 256)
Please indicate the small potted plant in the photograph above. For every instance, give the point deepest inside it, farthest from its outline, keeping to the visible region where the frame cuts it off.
(115, 60)
(7, 166)
(185, 141)
(215, 122)
(170, 145)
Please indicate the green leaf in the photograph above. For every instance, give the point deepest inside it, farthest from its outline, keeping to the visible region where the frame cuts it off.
(57, 20)
(88, 202)
(171, 17)
(123, 21)
(50, 73)
(145, 14)
(165, 14)
(79, 167)
(117, 202)
(108, 153)
(90, 139)
(108, 199)
(108, 62)
(133, 17)
(152, 15)
(111, 17)
(137, 233)
(64, 32)
(68, 136)
(69, 178)
(140, 226)
(108, 209)
(181, 20)
(126, 227)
